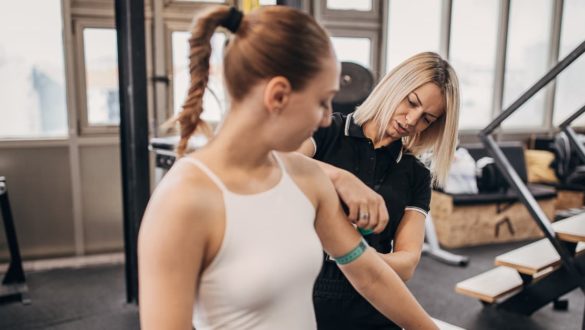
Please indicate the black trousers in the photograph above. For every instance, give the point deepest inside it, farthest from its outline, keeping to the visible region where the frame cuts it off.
(349, 313)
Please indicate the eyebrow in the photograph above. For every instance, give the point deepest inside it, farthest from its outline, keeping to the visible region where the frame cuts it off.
(428, 114)
(419, 102)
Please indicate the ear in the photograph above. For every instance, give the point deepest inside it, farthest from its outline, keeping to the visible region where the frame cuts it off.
(277, 94)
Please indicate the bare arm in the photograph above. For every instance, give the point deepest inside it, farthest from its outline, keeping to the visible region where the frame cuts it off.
(369, 274)
(352, 191)
(407, 245)
(171, 247)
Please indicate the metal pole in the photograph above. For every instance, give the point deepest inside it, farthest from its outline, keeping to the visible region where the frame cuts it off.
(133, 130)
(535, 88)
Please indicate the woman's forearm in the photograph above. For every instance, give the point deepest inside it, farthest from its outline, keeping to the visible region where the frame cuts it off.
(382, 287)
(403, 262)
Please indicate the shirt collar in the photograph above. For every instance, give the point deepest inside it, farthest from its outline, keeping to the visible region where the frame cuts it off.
(354, 130)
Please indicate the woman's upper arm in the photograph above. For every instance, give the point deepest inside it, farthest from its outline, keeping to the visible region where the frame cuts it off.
(336, 233)
(171, 247)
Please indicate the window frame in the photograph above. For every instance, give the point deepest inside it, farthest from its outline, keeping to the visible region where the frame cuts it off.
(83, 125)
(324, 13)
(368, 34)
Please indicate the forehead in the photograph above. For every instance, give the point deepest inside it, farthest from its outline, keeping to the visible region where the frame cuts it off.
(432, 98)
(328, 77)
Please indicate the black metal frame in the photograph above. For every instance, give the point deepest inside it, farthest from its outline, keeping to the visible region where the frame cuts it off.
(133, 130)
(14, 282)
(564, 126)
(575, 271)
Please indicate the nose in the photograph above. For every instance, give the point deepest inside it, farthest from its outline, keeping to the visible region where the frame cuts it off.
(326, 119)
(413, 117)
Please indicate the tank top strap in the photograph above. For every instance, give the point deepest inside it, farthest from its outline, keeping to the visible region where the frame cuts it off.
(207, 171)
(280, 163)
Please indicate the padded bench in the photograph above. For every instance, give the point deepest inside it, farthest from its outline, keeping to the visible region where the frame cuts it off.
(484, 218)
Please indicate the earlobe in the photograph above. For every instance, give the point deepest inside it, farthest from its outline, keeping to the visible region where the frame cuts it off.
(277, 94)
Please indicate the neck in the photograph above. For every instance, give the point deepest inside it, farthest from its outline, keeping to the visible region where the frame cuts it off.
(239, 143)
(370, 129)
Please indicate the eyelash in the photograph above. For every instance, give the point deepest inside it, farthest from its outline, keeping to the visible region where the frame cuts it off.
(413, 105)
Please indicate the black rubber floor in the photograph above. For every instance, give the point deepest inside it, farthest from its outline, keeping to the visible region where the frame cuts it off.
(94, 298)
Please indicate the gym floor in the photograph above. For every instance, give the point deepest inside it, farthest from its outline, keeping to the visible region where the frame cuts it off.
(94, 298)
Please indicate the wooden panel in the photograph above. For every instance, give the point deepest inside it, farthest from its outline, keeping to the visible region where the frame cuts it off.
(469, 225)
(102, 199)
(491, 285)
(571, 229)
(39, 188)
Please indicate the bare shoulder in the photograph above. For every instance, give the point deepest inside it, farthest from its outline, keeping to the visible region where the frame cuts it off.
(299, 165)
(185, 204)
(308, 175)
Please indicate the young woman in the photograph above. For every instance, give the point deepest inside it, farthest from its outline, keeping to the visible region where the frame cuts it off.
(371, 157)
(232, 236)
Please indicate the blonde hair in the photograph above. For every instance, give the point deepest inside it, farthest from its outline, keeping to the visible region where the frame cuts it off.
(441, 136)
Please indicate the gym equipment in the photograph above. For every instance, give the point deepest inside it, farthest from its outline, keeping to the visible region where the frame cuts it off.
(356, 83)
(521, 289)
(14, 282)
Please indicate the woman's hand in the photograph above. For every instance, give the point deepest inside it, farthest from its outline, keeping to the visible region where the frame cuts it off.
(367, 208)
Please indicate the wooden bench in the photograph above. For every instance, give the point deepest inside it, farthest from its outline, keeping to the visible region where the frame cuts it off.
(492, 285)
(533, 259)
(571, 229)
(524, 271)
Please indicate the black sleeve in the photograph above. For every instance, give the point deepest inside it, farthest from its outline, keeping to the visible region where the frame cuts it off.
(325, 137)
(421, 191)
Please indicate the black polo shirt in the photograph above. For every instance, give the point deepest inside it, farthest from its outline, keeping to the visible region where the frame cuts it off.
(398, 176)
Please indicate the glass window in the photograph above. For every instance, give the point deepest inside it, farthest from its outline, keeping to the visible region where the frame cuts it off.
(361, 5)
(32, 73)
(413, 27)
(350, 49)
(569, 90)
(101, 76)
(526, 59)
(474, 27)
(267, 2)
(214, 99)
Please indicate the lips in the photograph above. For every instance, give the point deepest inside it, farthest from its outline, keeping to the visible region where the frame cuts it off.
(400, 129)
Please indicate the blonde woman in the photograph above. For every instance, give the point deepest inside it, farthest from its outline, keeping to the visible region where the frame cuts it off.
(233, 235)
(371, 156)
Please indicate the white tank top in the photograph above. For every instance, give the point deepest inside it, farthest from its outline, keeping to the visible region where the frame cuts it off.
(263, 274)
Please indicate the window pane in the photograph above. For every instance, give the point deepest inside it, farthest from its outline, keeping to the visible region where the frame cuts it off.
(214, 99)
(526, 59)
(474, 28)
(569, 92)
(413, 27)
(101, 76)
(355, 50)
(361, 5)
(32, 74)
(267, 2)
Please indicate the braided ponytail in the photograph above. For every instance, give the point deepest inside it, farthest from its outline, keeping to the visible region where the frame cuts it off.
(200, 52)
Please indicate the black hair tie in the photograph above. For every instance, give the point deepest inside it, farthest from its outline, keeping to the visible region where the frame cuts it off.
(233, 20)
